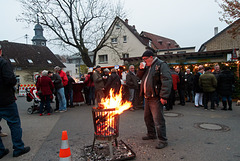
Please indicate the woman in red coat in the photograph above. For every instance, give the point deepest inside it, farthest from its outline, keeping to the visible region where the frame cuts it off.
(45, 85)
(90, 88)
(171, 98)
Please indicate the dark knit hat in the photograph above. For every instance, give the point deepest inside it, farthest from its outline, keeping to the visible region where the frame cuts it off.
(98, 66)
(148, 53)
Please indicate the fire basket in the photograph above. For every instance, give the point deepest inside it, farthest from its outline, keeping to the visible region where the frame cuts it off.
(106, 119)
(106, 125)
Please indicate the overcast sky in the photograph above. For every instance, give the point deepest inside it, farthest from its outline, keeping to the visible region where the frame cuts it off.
(189, 22)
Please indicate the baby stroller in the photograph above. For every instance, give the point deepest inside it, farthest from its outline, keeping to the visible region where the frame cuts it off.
(31, 94)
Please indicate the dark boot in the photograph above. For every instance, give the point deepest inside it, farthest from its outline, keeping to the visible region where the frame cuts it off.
(149, 137)
(230, 105)
(224, 105)
(161, 145)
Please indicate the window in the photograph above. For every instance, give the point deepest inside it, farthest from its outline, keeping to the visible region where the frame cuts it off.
(43, 43)
(114, 40)
(150, 43)
(125, 55)
(124, 39)
(181, 52)
(117, 26)
(12, 60)
(103, 58)
(30, 61)
(49, 61)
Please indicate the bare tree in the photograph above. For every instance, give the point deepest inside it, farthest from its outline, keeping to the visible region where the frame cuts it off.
(230, 13)
(77, 23)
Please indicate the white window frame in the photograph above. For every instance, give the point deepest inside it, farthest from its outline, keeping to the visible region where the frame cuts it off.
(125, 55)
(124, 39)
(114, 40)
(105, 59)
(117, 26)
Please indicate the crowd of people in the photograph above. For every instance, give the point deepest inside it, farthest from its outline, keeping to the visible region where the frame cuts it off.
(57, 83)
(206, 85)
(154, 81)
(158, 85)
(199, 87)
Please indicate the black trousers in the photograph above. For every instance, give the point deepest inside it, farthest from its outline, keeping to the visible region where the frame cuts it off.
(206, 97)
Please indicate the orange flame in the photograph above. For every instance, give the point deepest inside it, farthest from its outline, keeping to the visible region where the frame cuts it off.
(115, 101)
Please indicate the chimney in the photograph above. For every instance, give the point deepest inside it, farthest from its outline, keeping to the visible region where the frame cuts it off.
(134, 27)
(215, 31)
(126, 21)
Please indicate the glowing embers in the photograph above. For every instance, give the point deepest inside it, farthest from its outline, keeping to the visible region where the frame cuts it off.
(106, 119)
(106, 115)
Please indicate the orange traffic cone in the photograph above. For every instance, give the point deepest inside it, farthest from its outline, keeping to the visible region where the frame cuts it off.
(65, 153)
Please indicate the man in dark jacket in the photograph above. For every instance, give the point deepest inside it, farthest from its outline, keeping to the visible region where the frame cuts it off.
(99, 84)
(69, 89)
(58, 85)
(198, 99)
(225, 85)
(9, 110)
(113, 82)
(208, 82)
(132, 83)
(156, 86)
(181, 86)
(189, 86)
(216, 73)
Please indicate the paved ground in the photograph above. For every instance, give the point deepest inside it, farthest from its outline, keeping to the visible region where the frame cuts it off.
(186, 142)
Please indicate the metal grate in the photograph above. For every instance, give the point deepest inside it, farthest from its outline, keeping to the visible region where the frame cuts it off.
(106, 124)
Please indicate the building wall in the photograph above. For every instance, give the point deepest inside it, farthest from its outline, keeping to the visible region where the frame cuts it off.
(72, 70)
(132, 46)
(223, 41)
(183, 50)
(26, 76)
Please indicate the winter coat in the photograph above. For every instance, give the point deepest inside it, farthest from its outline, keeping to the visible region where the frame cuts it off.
(105, 80)
(208, 82)
(98, 81)
(63, 75)
(225, 82)
(113, 82)
(216, 74)
(159, 80)
(57, 81)
(181, 84)
(175, 79)
(88, 81)
(189, 81)
(196, 87)
(70, 82)
(45, 84)
(7, 83)
(132, 80)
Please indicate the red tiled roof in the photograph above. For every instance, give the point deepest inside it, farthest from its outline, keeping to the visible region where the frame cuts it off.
(159, 42)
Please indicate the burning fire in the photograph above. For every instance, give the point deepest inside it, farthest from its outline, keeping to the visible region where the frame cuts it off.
(115, 101)
(106, 121)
